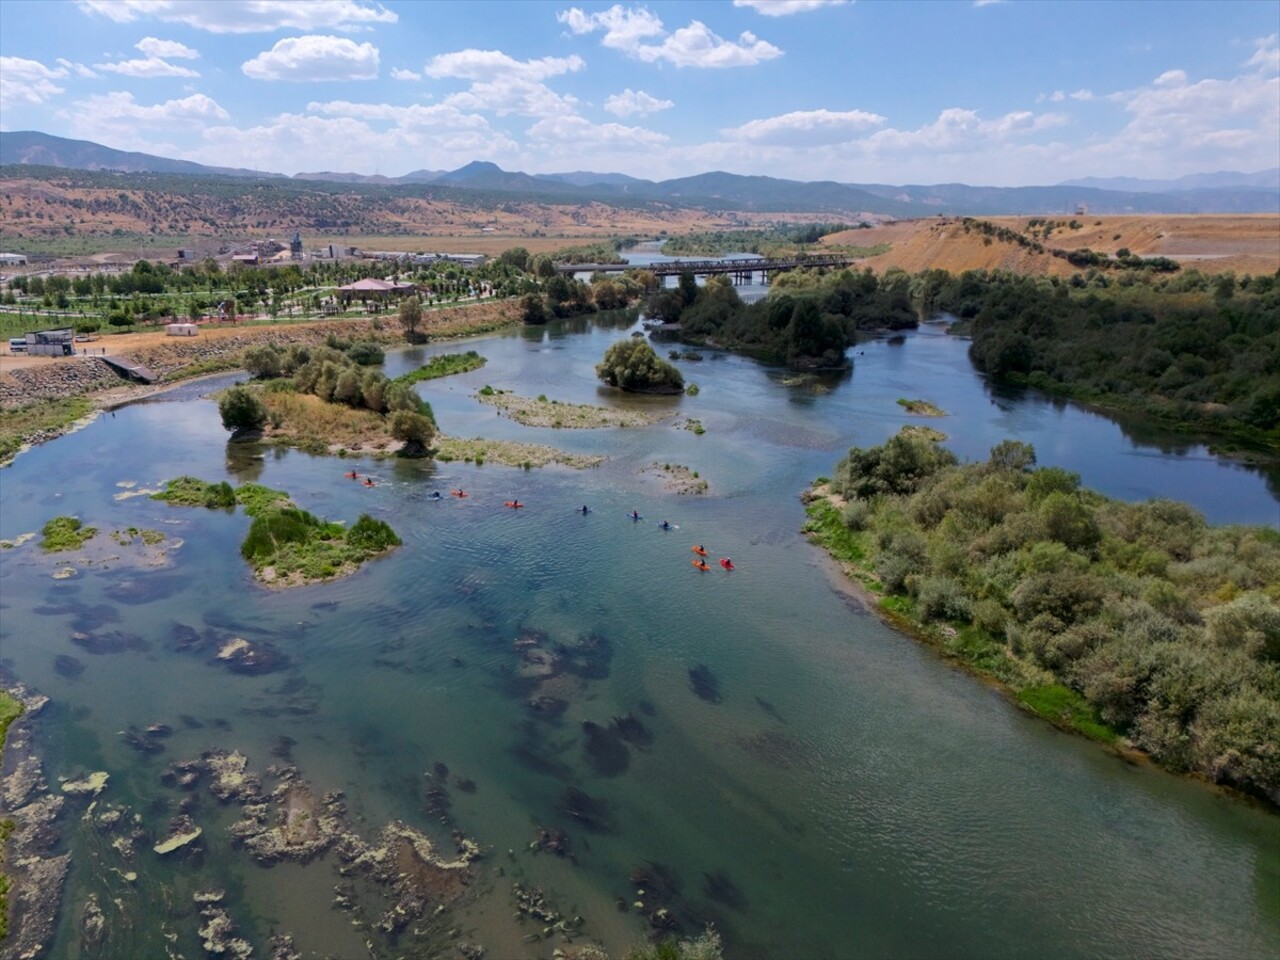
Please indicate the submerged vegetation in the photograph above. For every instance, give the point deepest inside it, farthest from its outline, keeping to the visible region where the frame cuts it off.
(1138, 621)
(288, 546)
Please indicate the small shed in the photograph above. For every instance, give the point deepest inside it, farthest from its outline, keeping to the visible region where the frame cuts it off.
(181, 330)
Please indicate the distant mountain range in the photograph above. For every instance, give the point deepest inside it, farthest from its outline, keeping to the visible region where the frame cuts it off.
(1200, 193)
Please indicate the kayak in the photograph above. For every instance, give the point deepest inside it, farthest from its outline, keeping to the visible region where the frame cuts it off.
(458, 493)
(583, 512)
(700, 551)
(700, 564)
(435, 496)
(667, 526)
(634, 516)
(368, 483)
(726, 563)
(351, 475)
(513, 504)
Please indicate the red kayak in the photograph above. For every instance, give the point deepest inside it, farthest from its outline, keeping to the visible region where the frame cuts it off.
(726, 563)
(458, 493)
(700, 564)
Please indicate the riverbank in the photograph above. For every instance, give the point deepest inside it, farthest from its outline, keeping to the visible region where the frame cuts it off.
(39, 402)
(1136, 625)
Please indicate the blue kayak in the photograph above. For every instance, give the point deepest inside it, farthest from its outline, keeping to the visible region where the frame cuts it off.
(634, 516)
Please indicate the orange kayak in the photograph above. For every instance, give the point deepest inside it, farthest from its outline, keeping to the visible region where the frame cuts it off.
(513, 504)
(700, 551)
(458, 493)
(700, 564)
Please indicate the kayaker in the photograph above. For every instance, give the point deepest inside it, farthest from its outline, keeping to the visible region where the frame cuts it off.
(635, 514)
(585, 510)
(665, 525)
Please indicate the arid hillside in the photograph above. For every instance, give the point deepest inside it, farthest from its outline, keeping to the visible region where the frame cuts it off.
(47, 209)
(1210, 243)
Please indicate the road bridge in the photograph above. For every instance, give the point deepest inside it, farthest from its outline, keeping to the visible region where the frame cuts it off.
(741, 268)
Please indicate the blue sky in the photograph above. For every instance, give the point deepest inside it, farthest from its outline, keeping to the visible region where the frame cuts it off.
(1000, 93)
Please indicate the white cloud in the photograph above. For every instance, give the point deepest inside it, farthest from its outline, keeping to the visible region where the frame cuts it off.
(28, 81)
(118, 120)
(150, 67)
(314, 58)
(577, 131)
(1198, 120)
(504, 85)
(635, 101)
(1267, 56)
(492, 64)
(784, 8)
(436, 116)
(398, 73)
(807, 127)
(324, 143)
(693, 46)
(624, 29)
(246, 16)
(79, 69)
(167, 49)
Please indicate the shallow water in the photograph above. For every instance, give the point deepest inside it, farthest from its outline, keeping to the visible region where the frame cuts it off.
(835, 790)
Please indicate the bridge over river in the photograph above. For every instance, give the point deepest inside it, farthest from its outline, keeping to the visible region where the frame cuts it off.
(741, 268)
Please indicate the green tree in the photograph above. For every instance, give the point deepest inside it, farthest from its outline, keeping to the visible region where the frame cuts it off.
(242, 412)
(411, 316)
(632, 365)
(416, 430)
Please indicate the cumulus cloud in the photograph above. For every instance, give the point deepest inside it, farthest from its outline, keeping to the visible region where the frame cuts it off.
(1267, 56)
(324, 143)
(119, 120)
(491, 64)
(438, 116)
(79, 69)
(807, 127)
(28, 81)
(627, 29)
(314, 57)
(630, 101)
(166, 49)
(245, 16)
(398, 73)
(575, 131)
(784, 8)
(504, 85)
(147, 68)
(1200, 119)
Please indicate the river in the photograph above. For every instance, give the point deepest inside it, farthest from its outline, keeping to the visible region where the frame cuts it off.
(843, 794)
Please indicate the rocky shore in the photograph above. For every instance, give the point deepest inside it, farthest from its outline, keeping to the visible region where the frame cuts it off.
(36, 872)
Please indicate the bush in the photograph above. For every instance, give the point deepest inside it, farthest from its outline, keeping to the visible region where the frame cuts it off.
(942, 598)
(242, 412)
(372, 536)
(632, 365)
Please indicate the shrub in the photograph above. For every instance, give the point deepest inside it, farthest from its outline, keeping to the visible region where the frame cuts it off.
(632, 365)
(242, 412)
(372, 536)
(942, 598)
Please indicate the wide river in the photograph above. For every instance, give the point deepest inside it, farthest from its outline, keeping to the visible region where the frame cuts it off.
(848, 794)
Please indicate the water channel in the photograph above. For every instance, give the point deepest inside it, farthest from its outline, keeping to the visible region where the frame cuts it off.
(848, 795)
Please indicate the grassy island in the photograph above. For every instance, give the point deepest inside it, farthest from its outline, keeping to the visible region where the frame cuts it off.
(287, 546)
(444, 365)
(65, 533)
(541, 412)
(1130, 623)
(921, 408)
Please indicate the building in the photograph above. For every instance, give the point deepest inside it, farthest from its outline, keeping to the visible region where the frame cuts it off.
(52, 343)
(181, 330)
(374, 289)
(295, 247)
(13, 259)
